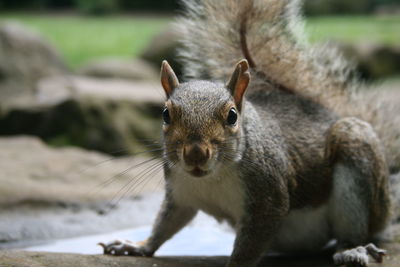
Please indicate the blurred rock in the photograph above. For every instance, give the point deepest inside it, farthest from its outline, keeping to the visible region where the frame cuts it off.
(25, 58)
(335, 7)
(33, 172)
(49, 193)
(164, 47)
(107, 115)
(374, 61)
(120, 68)
(59, 88)
(388, 9)
(39, 97)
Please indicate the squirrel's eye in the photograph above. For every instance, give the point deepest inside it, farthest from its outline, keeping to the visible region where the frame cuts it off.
(166, 117)
(232, 116)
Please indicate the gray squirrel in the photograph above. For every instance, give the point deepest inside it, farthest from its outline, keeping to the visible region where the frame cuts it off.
(285, 148)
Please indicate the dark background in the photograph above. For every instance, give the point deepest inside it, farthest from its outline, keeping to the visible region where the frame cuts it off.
(311, 7)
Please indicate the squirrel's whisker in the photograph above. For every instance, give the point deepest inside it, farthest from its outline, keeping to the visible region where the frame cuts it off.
(114, 158)
(134, 181)
(148, 161)
(112, 179)
(136, 188)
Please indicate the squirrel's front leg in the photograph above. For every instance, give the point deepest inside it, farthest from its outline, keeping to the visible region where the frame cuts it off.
(257, 229)
(171, 218)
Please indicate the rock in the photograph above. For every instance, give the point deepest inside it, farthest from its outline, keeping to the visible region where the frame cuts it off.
(25, 58)
(390, 9)
(57, 175)
(102, 114)
(56, 89)
(39, 97)
(50, 193)
(120, 68)
(164, 47)
(374, 61)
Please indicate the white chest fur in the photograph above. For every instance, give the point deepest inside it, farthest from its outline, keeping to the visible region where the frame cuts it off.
(306, 229)
(220, 195)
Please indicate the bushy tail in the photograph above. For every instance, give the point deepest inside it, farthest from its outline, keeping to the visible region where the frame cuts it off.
(381, 108)
(269, 34)
(216, 34)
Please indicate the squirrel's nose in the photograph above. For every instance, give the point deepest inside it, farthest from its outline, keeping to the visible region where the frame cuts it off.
(196, 154)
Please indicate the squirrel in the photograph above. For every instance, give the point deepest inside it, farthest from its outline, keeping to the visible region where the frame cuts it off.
(283, 147)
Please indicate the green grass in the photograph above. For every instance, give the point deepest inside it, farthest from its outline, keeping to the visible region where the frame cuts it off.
(80, 39)
(359, 29)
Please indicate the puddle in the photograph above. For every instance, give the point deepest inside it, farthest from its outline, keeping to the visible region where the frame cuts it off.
(203, 237)
(190, 241)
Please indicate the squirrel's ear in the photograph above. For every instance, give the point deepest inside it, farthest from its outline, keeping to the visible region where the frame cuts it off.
(239, 81)
(169, 81)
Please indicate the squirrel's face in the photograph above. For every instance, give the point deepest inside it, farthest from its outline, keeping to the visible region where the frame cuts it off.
(201, 122)
(201, 127)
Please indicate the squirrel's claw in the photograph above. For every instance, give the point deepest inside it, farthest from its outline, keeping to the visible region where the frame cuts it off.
(375, 252)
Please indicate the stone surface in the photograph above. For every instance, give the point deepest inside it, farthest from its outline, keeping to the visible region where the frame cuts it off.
(132, 69)
(35, 259)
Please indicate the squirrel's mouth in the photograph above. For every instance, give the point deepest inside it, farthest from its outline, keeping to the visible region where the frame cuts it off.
(197, 172)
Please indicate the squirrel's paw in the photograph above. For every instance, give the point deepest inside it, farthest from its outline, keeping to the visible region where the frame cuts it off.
(358, 257)
(123, 248)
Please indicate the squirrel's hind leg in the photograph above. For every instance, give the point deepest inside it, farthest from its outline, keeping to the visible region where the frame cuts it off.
(359, 201)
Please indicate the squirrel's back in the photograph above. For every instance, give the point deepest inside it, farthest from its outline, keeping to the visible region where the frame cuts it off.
(269, 34)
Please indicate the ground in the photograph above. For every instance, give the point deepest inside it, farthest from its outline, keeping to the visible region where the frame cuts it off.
(36, 259)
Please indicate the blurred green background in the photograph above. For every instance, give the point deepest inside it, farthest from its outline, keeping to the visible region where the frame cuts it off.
(83, 38)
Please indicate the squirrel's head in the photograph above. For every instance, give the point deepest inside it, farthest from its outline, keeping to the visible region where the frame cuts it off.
(202, 120)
